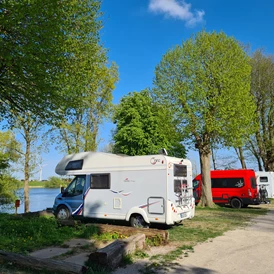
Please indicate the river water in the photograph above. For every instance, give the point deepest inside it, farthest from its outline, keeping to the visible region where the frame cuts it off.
(40, 199)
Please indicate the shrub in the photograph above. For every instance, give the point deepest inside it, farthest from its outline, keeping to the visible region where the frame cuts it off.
(55, 182)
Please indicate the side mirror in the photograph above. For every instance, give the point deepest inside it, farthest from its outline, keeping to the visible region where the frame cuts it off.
(62, 189)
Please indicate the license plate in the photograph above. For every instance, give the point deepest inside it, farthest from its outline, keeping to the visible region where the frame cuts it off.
(182, 215)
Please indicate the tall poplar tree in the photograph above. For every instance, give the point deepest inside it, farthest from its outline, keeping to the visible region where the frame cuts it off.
(262, 88)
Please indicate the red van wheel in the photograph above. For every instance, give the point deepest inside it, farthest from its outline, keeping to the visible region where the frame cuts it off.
(236, 203)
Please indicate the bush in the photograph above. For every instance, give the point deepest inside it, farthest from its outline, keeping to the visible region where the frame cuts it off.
(55, 182)
(8, 187)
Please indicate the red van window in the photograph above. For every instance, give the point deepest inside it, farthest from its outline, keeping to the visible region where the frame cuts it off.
(227, 182)
(253, 182)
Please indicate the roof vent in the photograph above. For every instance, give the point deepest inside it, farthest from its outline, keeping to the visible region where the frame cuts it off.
(162, 151)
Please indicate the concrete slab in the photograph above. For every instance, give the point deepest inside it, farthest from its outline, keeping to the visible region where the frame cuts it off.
(49, 252)
(78, 242)
(78, 259)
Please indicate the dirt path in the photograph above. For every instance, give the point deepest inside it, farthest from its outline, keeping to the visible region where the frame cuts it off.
(249, 250)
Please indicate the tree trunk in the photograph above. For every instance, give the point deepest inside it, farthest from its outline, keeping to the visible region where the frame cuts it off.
(241, 157)
(213, 159)
(206, 197)
(26, 172)
(260, 167)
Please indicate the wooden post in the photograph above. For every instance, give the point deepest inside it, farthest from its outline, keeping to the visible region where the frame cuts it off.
(112, 254)
(17, 204)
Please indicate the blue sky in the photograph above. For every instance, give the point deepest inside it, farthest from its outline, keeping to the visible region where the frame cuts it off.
(138, 33)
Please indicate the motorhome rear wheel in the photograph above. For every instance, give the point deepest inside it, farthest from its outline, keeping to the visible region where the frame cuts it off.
(138, 221)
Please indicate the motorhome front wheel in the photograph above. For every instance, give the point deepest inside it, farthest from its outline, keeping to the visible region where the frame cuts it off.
(62, 213)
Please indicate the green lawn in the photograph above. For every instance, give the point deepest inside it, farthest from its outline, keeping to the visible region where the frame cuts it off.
(25, 234)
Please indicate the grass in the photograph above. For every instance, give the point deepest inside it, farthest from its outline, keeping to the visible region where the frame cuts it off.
(210, 223)
(26, 234)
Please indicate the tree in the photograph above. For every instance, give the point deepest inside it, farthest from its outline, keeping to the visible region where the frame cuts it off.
(30, 129)
(32, 56)
(143, 127)
(80, 129)
(262, 88)
(89, 76)
(206, 81)
(8, 155)
(240, 154)
(8, 150)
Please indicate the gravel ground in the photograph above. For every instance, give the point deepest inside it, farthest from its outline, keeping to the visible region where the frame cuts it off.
(248, 250)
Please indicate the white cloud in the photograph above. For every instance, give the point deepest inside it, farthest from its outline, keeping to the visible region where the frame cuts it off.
(177, 9)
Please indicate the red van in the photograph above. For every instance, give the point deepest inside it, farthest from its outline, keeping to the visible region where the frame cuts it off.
(235, 187)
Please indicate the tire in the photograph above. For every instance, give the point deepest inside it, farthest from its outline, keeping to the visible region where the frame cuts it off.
(236, 203)
(138, 221)
(62, 213)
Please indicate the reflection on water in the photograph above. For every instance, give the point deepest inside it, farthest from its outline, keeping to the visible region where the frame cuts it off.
(40, 198)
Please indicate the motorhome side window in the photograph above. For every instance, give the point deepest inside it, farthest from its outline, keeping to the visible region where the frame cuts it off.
(263, 179)
(100, 181)
(227, 182)
(75, 165)
(180, 170)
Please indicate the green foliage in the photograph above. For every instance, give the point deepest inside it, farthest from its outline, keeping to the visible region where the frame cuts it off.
(55, 182)
(143, 127)
(8, 187)
(50, 56)
(127, 259)
(23, 235)
(262, 88)
(9, 148)
(140, 254)
(88, 75)
(207, 81)
(31, 55)
(157, 240)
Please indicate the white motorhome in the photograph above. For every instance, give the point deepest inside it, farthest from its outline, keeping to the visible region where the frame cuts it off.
(138, 189)
(266, 179)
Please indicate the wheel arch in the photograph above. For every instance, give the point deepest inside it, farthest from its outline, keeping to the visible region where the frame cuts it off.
(63, 204)
(138, 211)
